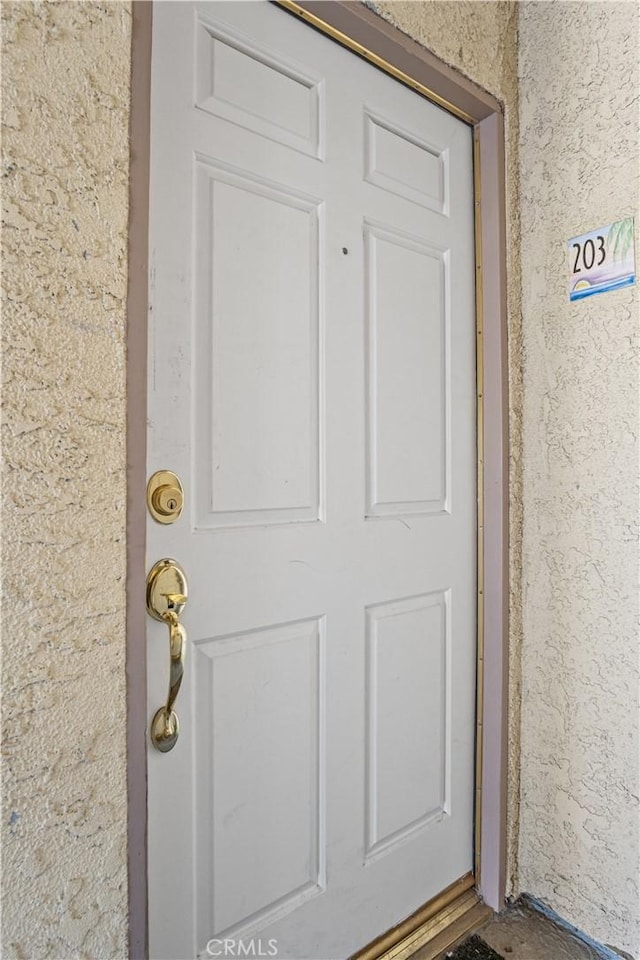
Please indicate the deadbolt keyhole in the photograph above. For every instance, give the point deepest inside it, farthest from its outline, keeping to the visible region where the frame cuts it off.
(166, 499)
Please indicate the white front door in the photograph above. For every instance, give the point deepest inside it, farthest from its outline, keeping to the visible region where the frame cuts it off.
(312, 382)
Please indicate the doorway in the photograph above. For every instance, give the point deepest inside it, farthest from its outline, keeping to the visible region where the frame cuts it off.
(314, 535)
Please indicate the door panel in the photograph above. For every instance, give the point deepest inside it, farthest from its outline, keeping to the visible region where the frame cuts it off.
(267, 686)
(257, 457)
(238, 80)
(400, 163)
(408, 662)
(407, 387)
(312, 382)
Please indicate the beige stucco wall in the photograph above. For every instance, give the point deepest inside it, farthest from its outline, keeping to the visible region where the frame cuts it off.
(580, 818)
(65, 95)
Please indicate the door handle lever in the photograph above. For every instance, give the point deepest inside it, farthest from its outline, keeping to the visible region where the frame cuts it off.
(166, 599)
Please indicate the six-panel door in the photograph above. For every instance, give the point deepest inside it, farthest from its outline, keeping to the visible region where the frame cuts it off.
(312, 382)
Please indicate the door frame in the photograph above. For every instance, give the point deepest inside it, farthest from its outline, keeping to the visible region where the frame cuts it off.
(365, 33)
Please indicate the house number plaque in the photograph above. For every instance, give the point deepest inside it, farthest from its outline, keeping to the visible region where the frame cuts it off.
(602, 260)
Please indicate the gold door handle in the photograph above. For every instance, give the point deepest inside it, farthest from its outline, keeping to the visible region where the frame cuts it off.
(166, 599)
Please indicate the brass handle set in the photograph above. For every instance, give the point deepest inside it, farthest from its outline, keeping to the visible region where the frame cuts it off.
(167, 595)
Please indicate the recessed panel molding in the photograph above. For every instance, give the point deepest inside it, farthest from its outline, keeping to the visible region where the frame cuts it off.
(252, 87)
(407, 374)
(259, 774)
(407, 723)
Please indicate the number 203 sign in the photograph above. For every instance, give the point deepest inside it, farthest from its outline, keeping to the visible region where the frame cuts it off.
(602, 260)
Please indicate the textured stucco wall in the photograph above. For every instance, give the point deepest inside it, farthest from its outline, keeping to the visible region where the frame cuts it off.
(580, 818)
(65, 101)
(480, 39)
(64, 242)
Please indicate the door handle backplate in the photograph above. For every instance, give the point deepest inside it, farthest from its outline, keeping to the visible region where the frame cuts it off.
(167, 595)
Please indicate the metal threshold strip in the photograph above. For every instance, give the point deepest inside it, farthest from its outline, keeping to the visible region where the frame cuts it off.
(434, 927)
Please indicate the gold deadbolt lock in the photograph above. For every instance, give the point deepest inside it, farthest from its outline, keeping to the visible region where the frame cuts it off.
(165, 496)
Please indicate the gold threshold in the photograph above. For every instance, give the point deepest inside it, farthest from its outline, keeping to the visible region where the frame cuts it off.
(434, 927)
